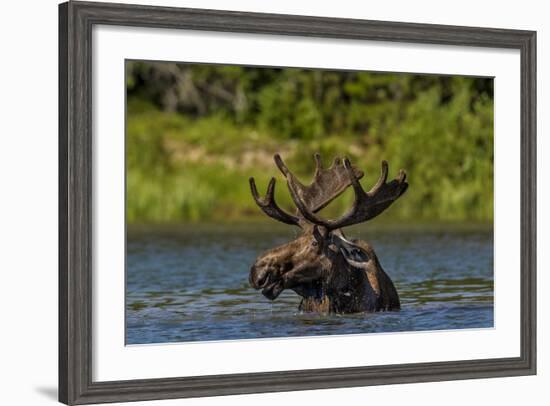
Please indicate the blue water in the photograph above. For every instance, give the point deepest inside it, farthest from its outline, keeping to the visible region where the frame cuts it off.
(189, 283)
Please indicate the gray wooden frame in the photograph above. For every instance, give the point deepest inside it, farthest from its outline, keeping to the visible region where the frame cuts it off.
(76, 20)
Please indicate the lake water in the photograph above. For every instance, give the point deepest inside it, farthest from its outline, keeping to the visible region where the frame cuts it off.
(190, 283)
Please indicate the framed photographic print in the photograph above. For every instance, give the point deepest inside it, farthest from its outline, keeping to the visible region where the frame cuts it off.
(257, 202)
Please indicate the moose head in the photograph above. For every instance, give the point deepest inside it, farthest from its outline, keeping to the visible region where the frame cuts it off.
(329, 272)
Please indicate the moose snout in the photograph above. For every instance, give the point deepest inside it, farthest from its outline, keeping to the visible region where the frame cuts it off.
(258, 277)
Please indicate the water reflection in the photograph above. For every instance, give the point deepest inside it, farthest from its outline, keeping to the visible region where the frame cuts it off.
(190, 284)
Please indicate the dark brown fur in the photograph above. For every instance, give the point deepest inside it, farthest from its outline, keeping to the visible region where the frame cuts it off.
(329, 272)
(315, 267)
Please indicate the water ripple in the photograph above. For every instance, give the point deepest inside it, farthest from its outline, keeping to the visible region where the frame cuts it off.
(191, 285)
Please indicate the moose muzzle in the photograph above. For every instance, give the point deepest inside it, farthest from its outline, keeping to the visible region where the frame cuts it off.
(262, 278)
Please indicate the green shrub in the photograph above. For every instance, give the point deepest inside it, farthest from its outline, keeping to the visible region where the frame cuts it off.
(191, 147)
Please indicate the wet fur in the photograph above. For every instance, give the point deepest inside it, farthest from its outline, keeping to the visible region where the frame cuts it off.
(331, 274)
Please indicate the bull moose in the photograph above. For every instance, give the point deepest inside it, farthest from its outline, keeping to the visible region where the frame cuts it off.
(330, 272)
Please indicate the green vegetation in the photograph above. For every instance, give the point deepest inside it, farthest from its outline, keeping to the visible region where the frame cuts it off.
(196, 133)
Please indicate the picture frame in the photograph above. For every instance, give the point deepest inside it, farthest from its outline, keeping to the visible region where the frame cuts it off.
(76, 256)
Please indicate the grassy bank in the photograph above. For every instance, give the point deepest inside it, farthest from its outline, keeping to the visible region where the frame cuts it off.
(182, 168)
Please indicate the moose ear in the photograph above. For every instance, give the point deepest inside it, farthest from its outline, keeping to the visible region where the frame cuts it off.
(353, 254)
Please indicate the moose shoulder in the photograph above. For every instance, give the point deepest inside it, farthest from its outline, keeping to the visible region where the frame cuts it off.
(329, 272)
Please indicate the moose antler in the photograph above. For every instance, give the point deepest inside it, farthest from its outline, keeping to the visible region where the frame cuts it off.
(327, 184)
(366, 206)
(268, 205)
